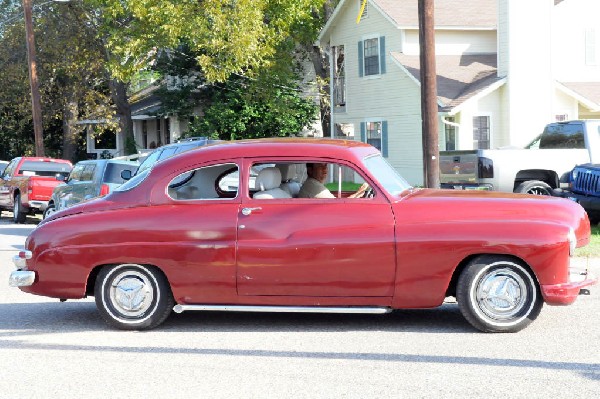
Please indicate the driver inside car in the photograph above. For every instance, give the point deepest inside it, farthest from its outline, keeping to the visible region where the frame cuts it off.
(314, 186)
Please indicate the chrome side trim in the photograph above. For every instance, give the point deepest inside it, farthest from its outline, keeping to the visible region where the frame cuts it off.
(283, 309)
(21, 278)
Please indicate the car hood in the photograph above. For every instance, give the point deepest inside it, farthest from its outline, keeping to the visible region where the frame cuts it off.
(446, 206)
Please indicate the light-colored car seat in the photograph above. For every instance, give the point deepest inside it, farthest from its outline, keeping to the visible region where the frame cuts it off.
(290, 175)
(268, 181)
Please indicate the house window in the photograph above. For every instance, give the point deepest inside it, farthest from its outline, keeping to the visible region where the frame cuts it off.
(374, 134)
(371, 56)
(158, 135)
(145, 134)
(481, 132)
(450, 134)
(167, 131)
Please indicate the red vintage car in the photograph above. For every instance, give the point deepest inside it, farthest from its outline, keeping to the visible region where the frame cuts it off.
(227, 227)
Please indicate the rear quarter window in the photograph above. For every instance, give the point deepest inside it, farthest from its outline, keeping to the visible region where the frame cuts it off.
(40, 168)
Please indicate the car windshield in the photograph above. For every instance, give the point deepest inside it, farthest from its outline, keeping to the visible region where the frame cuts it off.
(386, 175)
(134, 182)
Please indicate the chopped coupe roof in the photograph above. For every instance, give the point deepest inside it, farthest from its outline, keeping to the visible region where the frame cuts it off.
(280, 147)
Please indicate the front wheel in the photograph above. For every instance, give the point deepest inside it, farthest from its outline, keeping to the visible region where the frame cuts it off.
(49, 211)
(496, 294)
(19, 214)
(534, 187)
(133, 297)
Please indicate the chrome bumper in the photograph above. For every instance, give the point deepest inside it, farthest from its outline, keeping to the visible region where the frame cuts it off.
(41, 205)
(21, 278)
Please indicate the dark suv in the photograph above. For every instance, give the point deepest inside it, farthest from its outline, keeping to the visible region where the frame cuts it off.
(167, 151)
(585, 189)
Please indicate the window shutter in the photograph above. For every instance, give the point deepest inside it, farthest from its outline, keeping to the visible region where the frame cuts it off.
(360, 60)
(363, 132)
(384, 138)
(382, 54)
(590, 47)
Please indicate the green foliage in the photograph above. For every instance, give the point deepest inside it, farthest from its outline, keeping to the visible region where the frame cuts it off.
(228, 36)
(238, 111)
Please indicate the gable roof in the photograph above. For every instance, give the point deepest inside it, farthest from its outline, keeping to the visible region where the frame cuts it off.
(448, 14)
(472, 14)
(587, 93)
(459, 77)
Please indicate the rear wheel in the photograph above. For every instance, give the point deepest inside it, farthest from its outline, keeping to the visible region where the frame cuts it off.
(133, 297)
(19, 214)
(496, 294)
(535, 187)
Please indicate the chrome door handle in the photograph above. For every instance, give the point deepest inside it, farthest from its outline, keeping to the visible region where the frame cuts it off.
(248, 211)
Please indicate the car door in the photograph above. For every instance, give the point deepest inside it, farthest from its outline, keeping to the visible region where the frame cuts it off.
(68, 194)
(333, 247)
(5, 192)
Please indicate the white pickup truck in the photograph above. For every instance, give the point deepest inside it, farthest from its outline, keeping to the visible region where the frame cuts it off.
(540, 167)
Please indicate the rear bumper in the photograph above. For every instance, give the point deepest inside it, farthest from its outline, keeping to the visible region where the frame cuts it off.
(566, 293)
(41, 205)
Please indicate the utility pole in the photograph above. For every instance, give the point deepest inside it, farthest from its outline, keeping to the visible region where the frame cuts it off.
(429, 108)
(36, 104)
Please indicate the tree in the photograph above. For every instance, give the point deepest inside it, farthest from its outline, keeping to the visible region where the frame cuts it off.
(246, 37)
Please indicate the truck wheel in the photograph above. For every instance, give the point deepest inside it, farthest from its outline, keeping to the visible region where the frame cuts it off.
(496, 294)
(19, 214)
(535, 187)
(133, 297)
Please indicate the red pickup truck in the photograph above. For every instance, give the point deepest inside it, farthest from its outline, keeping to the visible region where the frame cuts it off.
(27, 183)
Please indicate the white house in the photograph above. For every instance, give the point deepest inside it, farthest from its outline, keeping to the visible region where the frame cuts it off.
(505, 68)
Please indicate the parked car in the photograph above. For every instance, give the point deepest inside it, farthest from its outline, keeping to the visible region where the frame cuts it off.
(174, 238)
(87, 180)
(3, 165)
(585, 189)
(27, 183)
(538, 168)
(167, 151)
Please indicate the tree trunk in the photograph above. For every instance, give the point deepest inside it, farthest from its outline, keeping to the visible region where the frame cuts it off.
(69, 127)
(118, 91)
(320, 62)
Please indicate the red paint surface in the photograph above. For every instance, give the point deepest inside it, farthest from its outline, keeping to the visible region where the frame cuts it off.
(400, 251)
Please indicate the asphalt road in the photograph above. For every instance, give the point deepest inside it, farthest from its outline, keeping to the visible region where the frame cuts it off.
(50, 349)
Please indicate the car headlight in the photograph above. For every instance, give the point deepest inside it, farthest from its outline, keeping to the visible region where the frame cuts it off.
(574, 174)
(572, 241)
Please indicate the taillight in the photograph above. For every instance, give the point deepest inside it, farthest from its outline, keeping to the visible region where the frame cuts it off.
(485, 168)
(29, 187)
(104, 190)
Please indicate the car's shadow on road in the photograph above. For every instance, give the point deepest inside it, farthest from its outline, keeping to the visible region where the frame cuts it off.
(47, 317)
(43, 318)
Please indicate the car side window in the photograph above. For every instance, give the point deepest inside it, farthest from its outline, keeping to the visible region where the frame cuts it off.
(88, 173)
(321, 180)
(204, 183)
(9, 168)
(76, 173)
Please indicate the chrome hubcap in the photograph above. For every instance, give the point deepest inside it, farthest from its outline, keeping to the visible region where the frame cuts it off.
(131, 293)
(501, 294)
(50, 211)
(538, 191)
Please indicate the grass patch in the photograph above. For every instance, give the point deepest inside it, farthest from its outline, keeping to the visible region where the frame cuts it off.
(593, 248)
(346, 186)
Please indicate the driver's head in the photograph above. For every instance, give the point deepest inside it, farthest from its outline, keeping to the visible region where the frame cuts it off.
(317, 171)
